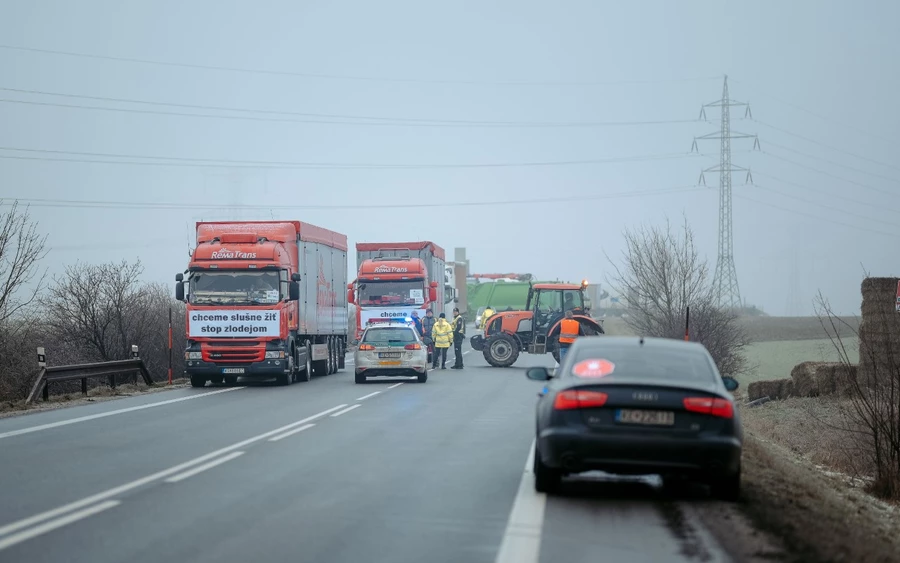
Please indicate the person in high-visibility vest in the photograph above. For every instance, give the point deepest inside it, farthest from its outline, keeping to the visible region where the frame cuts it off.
(569, 330)
(488, 313)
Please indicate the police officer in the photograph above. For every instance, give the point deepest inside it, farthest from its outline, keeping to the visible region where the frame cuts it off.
(459, 335)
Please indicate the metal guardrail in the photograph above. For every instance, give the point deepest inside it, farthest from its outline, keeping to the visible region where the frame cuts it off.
(46, 375)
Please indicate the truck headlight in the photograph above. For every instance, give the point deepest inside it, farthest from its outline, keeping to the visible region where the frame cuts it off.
(275, 355)
(193, 356)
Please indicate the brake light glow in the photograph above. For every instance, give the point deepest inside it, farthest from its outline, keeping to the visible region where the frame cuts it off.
(414, 346)
(567, 400)
(366, 347)
(721, 408)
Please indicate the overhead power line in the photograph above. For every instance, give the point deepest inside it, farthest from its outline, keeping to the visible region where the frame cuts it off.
(106, 204)
(347, 76)
(828, 220)
(814, 114)
(820, 193)
(315, 118)
(829, 174)
(830, 208)
(221, 163)
(827, 146)
(832, 162)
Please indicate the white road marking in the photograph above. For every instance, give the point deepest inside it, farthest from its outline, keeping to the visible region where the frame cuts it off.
(15, 526)
(291, 433)
(396, 385)
(364, 397)
(111, 413)
(348, 409)
(204, 467)
(522, 539)
(12, 540)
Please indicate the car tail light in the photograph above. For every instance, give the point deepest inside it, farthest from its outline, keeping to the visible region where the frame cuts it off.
(722, 408)
(366, 347)
(414, 346)
(567, 400)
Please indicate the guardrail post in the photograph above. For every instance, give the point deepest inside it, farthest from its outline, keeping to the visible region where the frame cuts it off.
(42, 363)
(135, 355)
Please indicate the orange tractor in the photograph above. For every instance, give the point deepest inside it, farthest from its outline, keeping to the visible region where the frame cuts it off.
(536, 329)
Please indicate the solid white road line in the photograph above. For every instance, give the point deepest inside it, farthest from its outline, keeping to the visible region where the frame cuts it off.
(522, 539)
(396, 385)
(291, 433)
(111, 413)
(12, 540)
(364, 397)
(348, 409)
(15, 526)
(204, 467)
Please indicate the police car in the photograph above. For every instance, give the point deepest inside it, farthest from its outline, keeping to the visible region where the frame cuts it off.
(390, 349)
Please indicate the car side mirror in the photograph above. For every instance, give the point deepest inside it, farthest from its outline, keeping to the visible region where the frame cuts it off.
(538, 374)
(730, 383)
(294, 291)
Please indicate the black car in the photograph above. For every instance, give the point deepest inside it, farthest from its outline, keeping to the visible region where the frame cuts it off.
(638, 406)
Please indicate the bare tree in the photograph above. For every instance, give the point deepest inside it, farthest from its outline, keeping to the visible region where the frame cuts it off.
(871, 415)
(21, 249)
(661, 275)
(96, 307)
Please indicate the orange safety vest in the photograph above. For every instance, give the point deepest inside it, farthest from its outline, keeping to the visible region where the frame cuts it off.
(568, 331)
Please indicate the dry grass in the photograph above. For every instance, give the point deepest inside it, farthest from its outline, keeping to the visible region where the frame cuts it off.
(819, 517)
(771, 329)
(95, 395)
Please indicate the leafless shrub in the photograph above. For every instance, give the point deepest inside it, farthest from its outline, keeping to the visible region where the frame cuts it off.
(660, 277)
(871, 416)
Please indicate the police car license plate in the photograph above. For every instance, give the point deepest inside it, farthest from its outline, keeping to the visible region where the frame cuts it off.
(388, 354)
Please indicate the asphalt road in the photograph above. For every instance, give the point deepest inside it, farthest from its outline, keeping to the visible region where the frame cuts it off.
(325, 471)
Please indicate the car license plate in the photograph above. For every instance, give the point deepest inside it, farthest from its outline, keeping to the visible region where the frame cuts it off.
(232, 370)
(649, 418)
(388, 354)
(396, 363)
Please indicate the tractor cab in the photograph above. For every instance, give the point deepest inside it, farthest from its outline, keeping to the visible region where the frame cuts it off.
(548, 303)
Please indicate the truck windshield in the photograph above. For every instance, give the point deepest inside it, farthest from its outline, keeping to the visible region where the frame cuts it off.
(387, 293)
(241, 287)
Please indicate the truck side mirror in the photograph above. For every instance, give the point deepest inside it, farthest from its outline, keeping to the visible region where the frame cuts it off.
(179, 286)
(295, 277)
(294, 291)
(350, 296)
(434, 284)
(432, 293)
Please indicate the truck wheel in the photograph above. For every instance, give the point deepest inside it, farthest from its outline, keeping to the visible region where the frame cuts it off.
(342, 353)
(284, 378)
(501, 350)
(307, 368)
(198, 381)
(333, 354)
(329, 364)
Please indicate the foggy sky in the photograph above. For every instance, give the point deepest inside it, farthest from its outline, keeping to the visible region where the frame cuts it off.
(820, 77)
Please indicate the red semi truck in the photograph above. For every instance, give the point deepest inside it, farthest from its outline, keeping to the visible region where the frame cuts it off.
(396, 278)
(265, 299)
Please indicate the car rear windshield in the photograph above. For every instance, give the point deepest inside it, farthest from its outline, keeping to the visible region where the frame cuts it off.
(649, 361)
(389, 336)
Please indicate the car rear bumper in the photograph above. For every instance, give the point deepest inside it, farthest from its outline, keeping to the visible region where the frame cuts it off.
(256, 370)
(577, 451)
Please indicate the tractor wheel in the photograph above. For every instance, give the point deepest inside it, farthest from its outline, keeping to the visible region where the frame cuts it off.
(501, 351)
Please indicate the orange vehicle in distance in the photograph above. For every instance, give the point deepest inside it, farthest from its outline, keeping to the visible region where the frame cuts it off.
(536, 329)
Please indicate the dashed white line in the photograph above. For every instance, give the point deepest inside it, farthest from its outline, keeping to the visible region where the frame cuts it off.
(204, 467)
(291, 433)
(364, 397)
(115, 491)
(348, 409)
(111, 413)
(522, 539)
(396, 385)
(12, 540)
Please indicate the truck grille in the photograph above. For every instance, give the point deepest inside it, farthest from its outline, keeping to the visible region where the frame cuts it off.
(233, 354)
